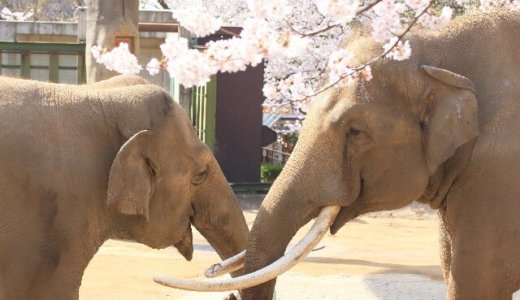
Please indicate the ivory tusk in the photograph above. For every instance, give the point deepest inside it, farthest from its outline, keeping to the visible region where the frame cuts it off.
(291, 258)
(229, 265)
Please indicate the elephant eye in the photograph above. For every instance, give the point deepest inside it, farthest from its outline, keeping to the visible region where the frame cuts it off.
(354, 131)
(423, 125)
(359, 137)
(199, 177)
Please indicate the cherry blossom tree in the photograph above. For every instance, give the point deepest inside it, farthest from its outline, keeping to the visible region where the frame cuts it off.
(299, 41)
(39, 10)
(8, 15)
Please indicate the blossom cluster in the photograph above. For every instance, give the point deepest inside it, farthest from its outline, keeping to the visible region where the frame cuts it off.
(397, 49)
(189, 66)
(492, 4)
(342, 11)
(119, 59)
(285, 33)
(300, 42)
(197, 20)
(9, 15)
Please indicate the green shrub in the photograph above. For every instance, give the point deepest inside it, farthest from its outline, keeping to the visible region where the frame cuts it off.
(269, 172)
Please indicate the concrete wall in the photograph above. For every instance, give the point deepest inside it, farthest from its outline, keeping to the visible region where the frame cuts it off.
(74, 32)
(39, 31)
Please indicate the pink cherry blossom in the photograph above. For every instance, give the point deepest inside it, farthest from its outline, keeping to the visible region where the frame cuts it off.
(301, 43)
(9, 15)
(119, 59)
(339, 66)
(192, 68)
(270, 91)
(275, 9)
(400, 51)
(153, 66)
(174, 47)
(491, 4)
(366, 73)
(386, 21)
(417, 4)
(227, 55)
(197, 20)
(342, 11)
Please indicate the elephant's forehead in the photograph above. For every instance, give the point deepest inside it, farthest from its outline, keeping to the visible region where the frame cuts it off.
(334, 99)
(351, 104)
(177, 132)
(352, 98)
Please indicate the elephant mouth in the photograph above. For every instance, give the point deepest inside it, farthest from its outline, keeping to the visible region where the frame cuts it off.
(346, 214)
(185, 244)
(351, 211)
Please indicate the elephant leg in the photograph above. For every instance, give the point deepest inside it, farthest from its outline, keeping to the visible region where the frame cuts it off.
(480, 290)
(72, 260)
(474, 276)
(64, 283)
(445, 251)
(445, 245)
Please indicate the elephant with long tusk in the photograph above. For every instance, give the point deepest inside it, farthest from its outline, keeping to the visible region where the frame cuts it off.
(440, 128)
(300, 250)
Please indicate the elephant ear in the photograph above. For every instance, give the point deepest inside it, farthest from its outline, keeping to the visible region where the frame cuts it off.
(131, 175)
(451, 118)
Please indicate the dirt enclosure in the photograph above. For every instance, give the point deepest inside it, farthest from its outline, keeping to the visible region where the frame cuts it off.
(390, 255)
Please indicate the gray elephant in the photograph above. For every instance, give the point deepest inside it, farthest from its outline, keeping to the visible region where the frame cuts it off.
(440, 128)
(82, 164)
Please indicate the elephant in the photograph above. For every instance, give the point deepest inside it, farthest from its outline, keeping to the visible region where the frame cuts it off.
(82, 164)
(440, 128)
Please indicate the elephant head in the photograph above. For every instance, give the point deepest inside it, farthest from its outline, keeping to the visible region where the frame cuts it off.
(163, 180)
(374, 145)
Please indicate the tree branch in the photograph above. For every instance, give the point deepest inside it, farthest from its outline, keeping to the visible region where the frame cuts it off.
(368, 7)
(359, 68)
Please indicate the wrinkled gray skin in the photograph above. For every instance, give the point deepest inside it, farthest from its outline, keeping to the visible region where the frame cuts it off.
(412, 135)
(81, 164)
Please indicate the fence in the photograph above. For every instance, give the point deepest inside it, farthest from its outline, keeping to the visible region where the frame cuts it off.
(54, 62)
(202, 111)
(274, 156)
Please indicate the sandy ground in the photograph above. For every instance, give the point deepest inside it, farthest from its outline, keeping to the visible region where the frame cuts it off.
(391, 255)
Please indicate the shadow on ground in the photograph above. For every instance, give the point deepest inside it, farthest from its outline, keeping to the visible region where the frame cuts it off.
(433, 272)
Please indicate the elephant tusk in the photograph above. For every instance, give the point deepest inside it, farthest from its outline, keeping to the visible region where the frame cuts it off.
(229, 265)
(291, 258)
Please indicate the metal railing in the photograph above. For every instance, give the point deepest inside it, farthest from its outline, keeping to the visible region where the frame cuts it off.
(202, 111)
(274, 156)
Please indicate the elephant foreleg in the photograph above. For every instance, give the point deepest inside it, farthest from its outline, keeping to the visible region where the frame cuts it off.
(445, 251)
(478, 273)
(445, 245)
(478, 286)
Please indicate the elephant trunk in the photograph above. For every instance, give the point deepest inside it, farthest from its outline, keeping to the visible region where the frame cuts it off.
(221, 220)
(294, 199)
(228, 238)
(282, 214)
